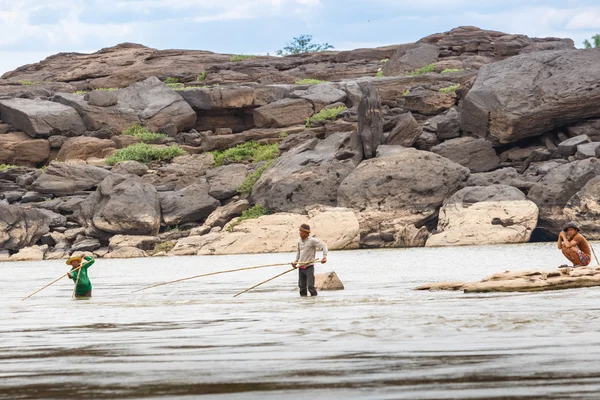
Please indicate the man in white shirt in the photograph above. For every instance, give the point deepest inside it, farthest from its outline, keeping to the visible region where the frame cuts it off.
(307, 248)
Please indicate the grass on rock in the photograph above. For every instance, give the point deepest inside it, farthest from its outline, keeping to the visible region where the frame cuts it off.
(450, 89)
(379, 74)
(202, 76)
(143, 133)
(450, 70)
(253, 212)
(144, 153)
(246, 186)
(309, 81)
(241, 57)
(423, 70)
(326, 113)
(4, 167)
(246, 151)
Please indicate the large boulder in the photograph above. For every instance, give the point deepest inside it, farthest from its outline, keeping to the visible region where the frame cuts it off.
(338, 228)
(41, 118)
(17, 148)
(286, 112)
(321, 95)
(66, 178)
(568, 147)
(328, 281)
(554, 190)
(204, 99)
(370, 121)
(485, 215)
(476, 154)
(406, 132)
(33, 253)
(182, 171)
(190, 204)
(149, 102)
(447, 125)
(141, 242)
(84, 147)
(530, 94)
(223, 215)
(308, 174)
(122, 204)
(224, 181)
(503, 176)
(397, 190)
(584, 209)
(410, 57)
(20, 227)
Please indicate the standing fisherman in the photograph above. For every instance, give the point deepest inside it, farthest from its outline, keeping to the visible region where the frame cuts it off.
(574, 246)
(83, 286)
(307, 247)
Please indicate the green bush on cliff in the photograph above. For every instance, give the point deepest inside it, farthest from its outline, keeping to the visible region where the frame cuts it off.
(171, 80)
(253, 212)
(326, 113)
(202, 76)
(25, 82)
(423, 70)
(379, 74)
(450, 89)
(143, 133)
(309, 81)
(246, 186)
(4, 167)
(241, 57)
(246, 151)
(450, 70)
(144, 153)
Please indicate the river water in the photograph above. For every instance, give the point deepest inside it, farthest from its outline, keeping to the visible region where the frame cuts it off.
(377, 339)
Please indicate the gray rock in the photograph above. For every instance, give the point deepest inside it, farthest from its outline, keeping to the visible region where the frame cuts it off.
(56, 141)
(476, 154)
(55, 220)
(406, 132)
(224, 181)
(530, 94)
(122, 204)
(410, 182)
(321, 95)
(504, 176)
(68, 178)
(447, 125)
(102, 98)
(307, 174)
(590, 127)
(568, 147)
(223, 215)
(370, 121)
(554, 190)
(587, 150)
(40, 118)
(582, 209)
(388, 150)
(130, 167)
(187, 205)
(32, 197)
(84, 243)
(12, 196)
(19, 148)
(410, 57)
(286, 112)
(264, 95)
(20, 227)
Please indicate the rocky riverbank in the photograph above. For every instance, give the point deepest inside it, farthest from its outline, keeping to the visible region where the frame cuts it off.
(464, 137)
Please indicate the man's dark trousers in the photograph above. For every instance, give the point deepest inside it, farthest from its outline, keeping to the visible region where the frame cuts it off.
(306, 279)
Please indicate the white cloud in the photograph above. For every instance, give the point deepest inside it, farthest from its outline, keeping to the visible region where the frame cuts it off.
(585, 20)
(10, 60)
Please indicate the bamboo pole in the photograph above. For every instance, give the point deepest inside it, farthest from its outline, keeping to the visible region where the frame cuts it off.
(209, 274)
(276, 276)
(51, 283)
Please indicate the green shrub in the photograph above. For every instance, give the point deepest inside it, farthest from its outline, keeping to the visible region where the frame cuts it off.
(303, 44)
(385, 60)
(241, 57)
(326, 113)
(309, 81)
(144, 153)
(171, 80)
(25, 82)
(202, 76)
(4, 167)
(80, 92)
(423, 70)
(107, 89)
(164, 246)
(283, 134)
(449, 89)
(379, 74)
(143, 133)
(253, 212)
(406, 92)
(247, 151)
(450, 70)
(246, 186)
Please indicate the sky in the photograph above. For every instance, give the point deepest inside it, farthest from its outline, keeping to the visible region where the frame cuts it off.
(31, 30)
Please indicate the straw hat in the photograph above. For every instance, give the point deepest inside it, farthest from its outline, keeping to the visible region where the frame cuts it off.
(73, 258)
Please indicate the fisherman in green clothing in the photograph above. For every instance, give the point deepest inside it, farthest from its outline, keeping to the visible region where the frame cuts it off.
(80, 275)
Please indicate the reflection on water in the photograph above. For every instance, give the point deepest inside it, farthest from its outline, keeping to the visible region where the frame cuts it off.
(376, 339)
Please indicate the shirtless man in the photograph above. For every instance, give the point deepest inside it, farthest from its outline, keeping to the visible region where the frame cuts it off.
(574, 246)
